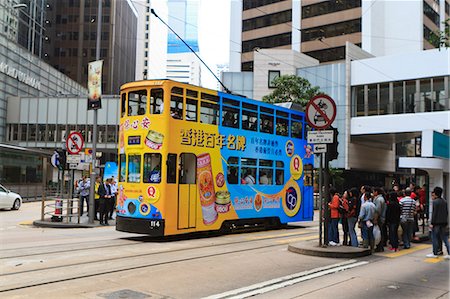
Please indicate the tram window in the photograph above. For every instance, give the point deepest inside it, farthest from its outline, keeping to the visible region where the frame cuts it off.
(123, 104)
(134, 168)
(176, 107)
(210, 97)
(188, 168)
(137, 102)
(122, 167)
(171, 168)
(248, 171)
(279, 176)
(156, 101)
(266, 110)
(265, 172)
(249, 120)
(296, 129)
(191, 93)
(266, 123)
(209, 113)
(250, 106)
(233, 175)
(233, 170)
(279, 173)
(282, 126)
(177, 90)
(152, 168)
(230, 102)
(230, 117)
(191, 110)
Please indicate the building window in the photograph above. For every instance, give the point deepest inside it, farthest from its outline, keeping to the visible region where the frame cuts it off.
(331, 54)
(336, 29)
(249, 4)
(327, 7)
(247, 66)
(431, 14)
(267, 20)
(273, 41)
(272, 76)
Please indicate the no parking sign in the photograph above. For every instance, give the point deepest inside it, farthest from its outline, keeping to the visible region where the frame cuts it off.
(74, 143)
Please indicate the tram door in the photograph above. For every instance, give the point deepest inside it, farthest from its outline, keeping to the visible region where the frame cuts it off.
(187, 191)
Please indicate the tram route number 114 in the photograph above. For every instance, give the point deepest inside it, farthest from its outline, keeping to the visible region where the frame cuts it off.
(155, 224)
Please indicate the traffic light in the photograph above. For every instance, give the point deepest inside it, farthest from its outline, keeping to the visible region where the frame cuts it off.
(332, 148)
(62, 159)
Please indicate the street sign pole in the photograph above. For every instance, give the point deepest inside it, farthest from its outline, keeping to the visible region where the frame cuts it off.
(320, 201)
(92, 211)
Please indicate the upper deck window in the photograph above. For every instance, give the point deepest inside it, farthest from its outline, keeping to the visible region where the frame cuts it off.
(191, 105)
(137, 102)
(176, 103)
(209, 109)
(123, 105)
(156, 101)
(266, 120)
(297, 126)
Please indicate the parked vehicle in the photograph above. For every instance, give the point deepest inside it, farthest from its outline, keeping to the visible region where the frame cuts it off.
(9, 199)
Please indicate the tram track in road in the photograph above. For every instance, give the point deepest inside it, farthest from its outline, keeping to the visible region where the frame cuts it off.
(139, 240)
(59, 273)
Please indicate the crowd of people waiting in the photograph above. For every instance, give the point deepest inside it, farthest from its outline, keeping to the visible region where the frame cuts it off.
(386, 218)
(104, 198)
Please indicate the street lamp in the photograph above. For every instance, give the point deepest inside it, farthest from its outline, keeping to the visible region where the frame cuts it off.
(94, 139)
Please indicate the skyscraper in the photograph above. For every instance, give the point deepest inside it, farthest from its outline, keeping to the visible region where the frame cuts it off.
(182, 64)
(320, 29)
(24, 22)
(72, 40)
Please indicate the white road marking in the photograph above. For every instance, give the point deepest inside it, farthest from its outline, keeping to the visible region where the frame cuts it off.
(285, 281)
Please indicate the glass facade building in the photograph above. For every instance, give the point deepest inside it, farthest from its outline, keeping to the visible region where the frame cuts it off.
(183, 19)
(23, 74)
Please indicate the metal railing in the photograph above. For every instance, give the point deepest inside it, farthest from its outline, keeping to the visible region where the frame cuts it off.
(58, 209)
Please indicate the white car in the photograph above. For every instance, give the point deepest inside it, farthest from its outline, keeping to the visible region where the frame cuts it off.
(9, 200)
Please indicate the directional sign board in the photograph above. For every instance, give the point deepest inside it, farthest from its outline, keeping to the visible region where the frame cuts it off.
(73, 158)
(324, 136)
(319, 148)
(74, 143)
(321, 112)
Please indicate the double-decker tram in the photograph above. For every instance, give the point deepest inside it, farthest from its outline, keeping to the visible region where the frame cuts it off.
(193, 159)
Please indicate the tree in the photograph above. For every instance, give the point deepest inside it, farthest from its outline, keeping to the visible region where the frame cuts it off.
(441, 39)
(291, 88)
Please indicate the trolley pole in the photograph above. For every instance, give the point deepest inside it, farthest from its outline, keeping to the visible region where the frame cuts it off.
(92, 211)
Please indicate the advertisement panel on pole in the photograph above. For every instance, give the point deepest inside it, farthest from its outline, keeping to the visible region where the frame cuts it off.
(95, 84)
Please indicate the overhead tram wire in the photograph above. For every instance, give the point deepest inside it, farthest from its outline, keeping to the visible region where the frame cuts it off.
(218, 80)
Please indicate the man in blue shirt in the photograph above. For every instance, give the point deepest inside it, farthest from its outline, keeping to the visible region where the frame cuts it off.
(365, 217)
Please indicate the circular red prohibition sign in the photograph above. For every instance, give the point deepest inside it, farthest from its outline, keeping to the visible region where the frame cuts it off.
(74, 143)
(320, 112)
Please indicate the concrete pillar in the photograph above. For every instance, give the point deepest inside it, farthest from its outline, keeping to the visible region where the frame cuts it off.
(436, 180)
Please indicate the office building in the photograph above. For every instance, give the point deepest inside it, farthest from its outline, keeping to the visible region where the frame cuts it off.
(320, 29)
(72, 35)
(393, 120)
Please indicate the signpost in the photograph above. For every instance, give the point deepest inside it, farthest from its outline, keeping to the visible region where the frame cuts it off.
(320, 114)
(320, 136)
(74, 143)
(319, 148)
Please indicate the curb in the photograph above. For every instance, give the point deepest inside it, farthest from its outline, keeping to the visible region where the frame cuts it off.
(40, 223)
(333, 252)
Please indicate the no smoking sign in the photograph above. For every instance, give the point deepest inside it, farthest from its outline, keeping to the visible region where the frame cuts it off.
(321, 112)
(74, 143)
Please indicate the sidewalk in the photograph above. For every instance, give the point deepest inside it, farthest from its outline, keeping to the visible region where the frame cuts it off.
(84, 223)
